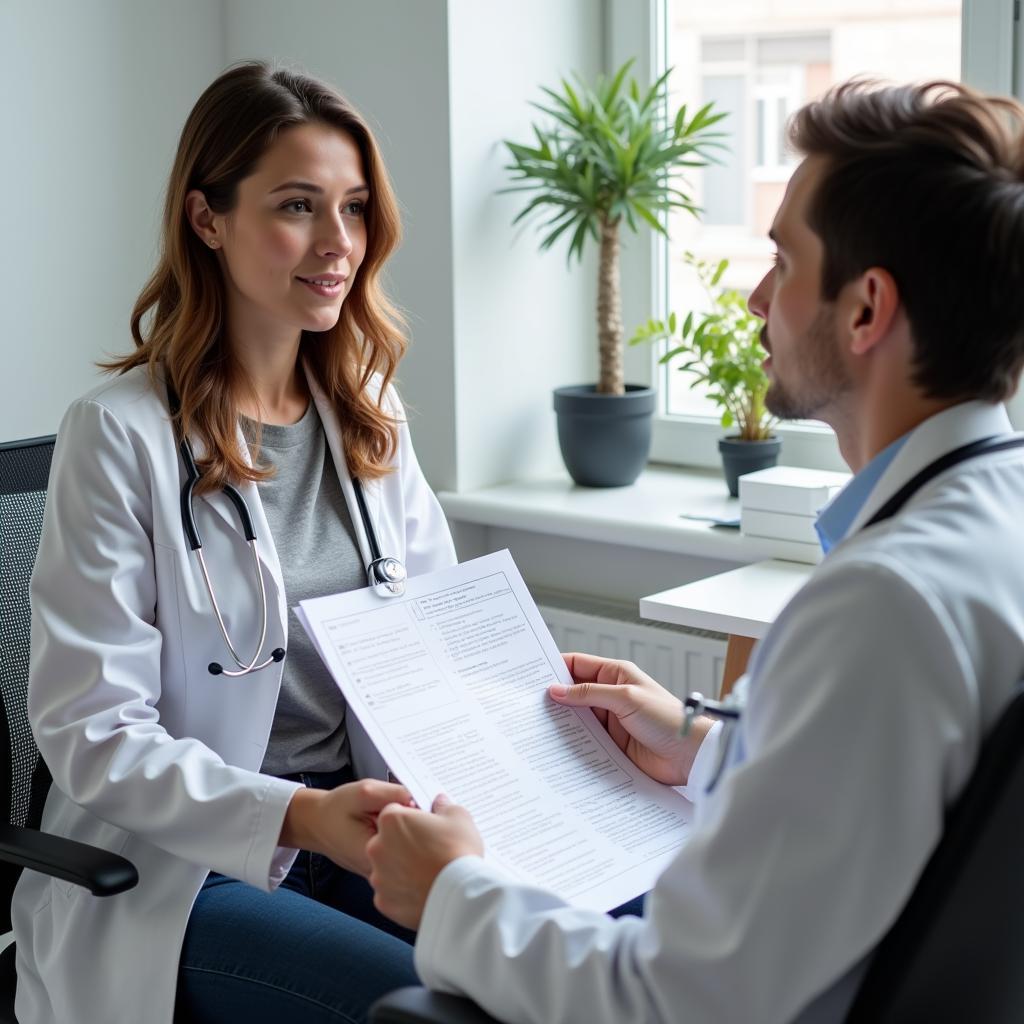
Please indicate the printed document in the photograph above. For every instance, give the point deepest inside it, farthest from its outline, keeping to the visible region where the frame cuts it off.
(450, 682)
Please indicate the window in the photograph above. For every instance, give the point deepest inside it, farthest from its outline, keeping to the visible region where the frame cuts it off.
(760, 61)
(761, 69)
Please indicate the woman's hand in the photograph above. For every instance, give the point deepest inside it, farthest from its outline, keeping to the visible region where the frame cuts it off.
(339, 822)
(641, 716)
(410, 850)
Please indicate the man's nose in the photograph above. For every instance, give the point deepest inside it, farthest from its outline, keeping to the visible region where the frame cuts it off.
(758, 301)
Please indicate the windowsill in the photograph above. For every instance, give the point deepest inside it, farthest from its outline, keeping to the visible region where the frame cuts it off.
(646, 514)
(693, 440)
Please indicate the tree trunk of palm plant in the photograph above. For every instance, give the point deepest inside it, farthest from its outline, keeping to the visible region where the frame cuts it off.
(609, 312)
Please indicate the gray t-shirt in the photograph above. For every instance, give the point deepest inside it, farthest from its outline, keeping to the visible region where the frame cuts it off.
(312, 531)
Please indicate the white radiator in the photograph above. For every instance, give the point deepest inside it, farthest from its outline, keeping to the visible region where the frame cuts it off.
(680, 659)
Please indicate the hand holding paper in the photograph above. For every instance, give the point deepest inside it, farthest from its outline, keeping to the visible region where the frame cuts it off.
(451, 681)
(410, 850)
(641, 716)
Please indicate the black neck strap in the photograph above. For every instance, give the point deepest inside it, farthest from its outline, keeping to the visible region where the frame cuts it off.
(940, 465)
(364, 512)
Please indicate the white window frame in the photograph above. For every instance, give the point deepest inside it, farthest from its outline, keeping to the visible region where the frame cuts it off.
(992, 59)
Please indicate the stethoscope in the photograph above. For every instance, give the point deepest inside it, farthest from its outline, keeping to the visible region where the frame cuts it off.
(730, 710)
(385, 574)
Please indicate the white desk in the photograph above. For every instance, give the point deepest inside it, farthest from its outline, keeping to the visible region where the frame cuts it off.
(743, 603)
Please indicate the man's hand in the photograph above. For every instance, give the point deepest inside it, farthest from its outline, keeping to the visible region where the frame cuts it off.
(339, 822)
(641, 716)
(409, 851)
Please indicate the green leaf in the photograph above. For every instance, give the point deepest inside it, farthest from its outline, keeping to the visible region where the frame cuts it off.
(719, 271)
(578, 238)
(616, 83)
(672, 323)
(649, 217)
(680, 121)
(654, 91)
(574, 103)
(558, 232)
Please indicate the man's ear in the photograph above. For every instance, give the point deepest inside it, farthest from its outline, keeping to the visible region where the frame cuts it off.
(205, 223)
(872, 303)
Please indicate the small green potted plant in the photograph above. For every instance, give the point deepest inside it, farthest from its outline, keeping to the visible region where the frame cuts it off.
(608, 158)
(722, 349)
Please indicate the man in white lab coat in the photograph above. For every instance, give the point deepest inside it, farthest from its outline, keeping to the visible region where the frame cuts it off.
(895, 313)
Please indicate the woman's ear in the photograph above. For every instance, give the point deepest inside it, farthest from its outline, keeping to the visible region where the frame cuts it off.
(873, 304)
(205, 223)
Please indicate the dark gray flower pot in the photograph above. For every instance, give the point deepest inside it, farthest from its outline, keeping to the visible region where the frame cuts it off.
(739, 457)
(605, 439)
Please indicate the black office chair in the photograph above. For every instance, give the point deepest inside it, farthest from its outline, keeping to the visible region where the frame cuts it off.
(955, 951)
(24, 778)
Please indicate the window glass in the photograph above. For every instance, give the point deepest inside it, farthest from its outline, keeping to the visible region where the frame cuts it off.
(760, 62)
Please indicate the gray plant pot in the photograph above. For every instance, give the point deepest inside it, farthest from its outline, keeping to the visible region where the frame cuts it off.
(605, 439)
(739, 457)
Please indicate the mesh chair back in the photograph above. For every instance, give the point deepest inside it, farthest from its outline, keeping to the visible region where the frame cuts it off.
(24, 778)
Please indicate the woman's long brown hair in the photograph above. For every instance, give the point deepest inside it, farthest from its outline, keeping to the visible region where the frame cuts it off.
(231, 126)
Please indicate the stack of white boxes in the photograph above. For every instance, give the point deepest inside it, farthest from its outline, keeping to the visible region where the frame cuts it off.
(782, 503)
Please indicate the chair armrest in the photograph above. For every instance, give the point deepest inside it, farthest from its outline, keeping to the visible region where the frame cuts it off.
(416, 1005)
(101, 872)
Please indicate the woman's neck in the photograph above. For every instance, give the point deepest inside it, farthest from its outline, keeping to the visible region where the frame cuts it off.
(280, 395)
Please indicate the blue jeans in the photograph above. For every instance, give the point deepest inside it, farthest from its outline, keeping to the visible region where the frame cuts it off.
(314, 951)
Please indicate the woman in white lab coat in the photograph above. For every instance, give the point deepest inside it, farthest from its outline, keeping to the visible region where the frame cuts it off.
(265, 311)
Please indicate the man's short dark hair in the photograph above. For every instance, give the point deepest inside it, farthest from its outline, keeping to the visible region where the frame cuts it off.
(927, 182)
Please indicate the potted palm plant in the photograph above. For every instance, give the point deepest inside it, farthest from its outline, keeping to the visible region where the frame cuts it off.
(722, 349)
(608, 158)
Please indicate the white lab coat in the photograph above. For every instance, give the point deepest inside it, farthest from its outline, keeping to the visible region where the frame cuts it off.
(152, 757)
(866, 705)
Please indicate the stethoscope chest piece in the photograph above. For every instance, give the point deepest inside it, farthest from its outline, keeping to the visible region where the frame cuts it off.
(387, 576)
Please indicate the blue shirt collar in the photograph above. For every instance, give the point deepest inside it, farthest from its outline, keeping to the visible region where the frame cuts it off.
(836, 518)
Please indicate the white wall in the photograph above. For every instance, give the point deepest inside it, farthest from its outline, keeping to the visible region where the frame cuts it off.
(94, 97)
(525, 322)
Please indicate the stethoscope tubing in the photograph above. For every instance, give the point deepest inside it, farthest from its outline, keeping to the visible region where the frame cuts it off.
(386, 575)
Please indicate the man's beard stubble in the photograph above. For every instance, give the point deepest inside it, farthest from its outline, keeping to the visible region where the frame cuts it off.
(822, 376)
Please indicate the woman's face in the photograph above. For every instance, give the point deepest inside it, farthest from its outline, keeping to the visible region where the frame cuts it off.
(291, 247)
